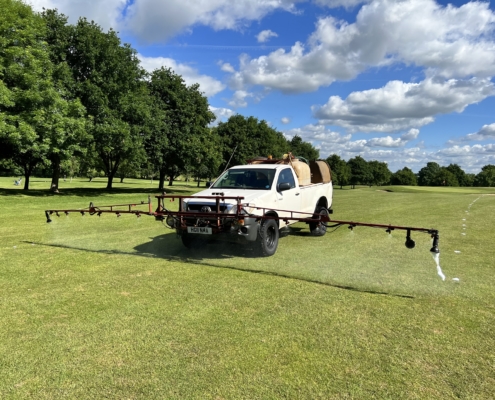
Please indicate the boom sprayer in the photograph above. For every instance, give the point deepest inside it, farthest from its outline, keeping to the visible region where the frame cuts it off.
(229, 215)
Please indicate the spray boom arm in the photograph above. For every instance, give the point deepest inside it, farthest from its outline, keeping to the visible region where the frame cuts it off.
(174, 218)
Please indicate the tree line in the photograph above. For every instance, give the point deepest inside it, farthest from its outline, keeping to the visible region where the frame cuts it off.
(358, 171)
(74, 100)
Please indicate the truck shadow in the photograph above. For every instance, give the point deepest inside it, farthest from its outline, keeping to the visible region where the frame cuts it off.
(169, 247)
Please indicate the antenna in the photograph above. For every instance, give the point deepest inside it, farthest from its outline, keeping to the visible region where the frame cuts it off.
(232, 155)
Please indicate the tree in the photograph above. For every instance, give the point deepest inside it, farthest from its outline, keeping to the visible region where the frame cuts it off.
(210, 158)
(486, 178)
(427, 174)
(68, 129)
(380, 172)
(444, 178)
(341, 172)
(459, 174)
(469, 179)
(245, 138)
(179, 141)
(404, 177)
(110, 83)
(360, 171)
(303, 149)
(34, 115)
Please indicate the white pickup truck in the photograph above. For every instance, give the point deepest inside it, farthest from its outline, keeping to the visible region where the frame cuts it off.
(276, 193)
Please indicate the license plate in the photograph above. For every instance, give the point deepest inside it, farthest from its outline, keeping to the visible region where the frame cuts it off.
(200, 230)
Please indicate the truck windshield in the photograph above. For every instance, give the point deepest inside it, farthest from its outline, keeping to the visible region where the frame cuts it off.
(259, 179)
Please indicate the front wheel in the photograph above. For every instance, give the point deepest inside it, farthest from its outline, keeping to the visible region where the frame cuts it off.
(267, 240)
(319, 228)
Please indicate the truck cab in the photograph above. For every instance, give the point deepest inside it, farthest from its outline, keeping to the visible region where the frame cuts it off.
(272, 198)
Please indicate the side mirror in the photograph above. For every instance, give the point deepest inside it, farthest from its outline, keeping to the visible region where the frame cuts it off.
(283, 186)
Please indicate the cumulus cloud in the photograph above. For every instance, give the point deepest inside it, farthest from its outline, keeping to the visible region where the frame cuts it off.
(226, 67)
(339, 3)
(105, 13)
(411, 135)
(239, 98)
(154, 20)
(221, 114)
(265, 35)
(319, 132)
(487, 132)
(207, 84)
(393, 151)
(285, 120)
(452, 42)
(399, 106)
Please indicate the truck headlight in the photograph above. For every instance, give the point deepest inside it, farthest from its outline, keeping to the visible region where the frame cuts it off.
(250, 208)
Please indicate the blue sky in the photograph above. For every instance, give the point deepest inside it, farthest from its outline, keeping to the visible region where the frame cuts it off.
(404, 81)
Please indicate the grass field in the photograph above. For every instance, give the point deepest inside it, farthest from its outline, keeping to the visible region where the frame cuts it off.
(117, 308)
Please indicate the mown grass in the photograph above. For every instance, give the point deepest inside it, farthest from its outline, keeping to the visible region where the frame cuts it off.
(117, 308)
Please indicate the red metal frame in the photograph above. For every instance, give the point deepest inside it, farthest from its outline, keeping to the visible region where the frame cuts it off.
(161, 212)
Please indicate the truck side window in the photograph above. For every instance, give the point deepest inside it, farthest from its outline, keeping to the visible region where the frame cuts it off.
(286, 175)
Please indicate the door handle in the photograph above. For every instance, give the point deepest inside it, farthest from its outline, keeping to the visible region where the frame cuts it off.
(297, 194)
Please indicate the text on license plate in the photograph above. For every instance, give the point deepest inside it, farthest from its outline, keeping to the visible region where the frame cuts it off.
(201, 230)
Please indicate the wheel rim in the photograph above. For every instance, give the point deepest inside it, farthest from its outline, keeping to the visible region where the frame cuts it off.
(323, 226)
(270, 237)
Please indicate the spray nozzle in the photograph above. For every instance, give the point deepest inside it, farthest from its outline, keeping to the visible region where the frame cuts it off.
(436, 238)
(410, 244)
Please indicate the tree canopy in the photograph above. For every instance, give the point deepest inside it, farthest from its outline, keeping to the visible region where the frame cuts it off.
(74, 98)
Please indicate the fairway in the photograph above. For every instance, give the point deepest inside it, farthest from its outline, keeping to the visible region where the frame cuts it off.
(106, 307)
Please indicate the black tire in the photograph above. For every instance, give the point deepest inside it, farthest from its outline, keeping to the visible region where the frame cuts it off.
(267, 240)
(320, 228)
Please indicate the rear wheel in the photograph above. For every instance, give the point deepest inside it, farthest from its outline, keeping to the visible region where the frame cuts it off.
(267, 240)
(319, 228)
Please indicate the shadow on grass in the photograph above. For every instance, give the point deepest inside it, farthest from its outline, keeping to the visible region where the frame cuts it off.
(88, 192)
(170, 248)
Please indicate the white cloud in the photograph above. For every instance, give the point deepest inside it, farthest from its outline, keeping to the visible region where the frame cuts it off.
(221, 114)
(387, 141)
(411, 135)
(158, 20)
(207, 84)
(319, 132)
(154, 21)
(239, 98)
(285, 120)
(226, 67)
(106, 13)
(487, 132)
(265, 35)
(339, 3)
(452, 42)
(398, 105)
(387, 149)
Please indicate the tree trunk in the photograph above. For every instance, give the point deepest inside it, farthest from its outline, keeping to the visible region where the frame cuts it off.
(110, 180)
(28, 169)
(26, 179)
(55, 173)
(170, 180)
(161, 182)
(122, 179)
(199, 181)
